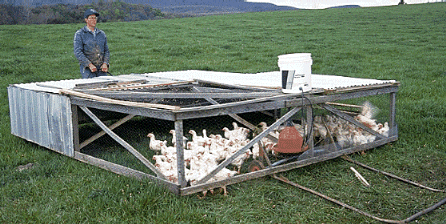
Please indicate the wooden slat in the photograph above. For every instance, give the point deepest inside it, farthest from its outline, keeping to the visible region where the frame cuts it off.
(233, 86)
(128, 86)
(176, 95)
(344, 105)
(111, 127)
(127, 146)
(180, 153)
(361, 88)
(146, 112)
(258, 100)
(119, 102)
(342, 96)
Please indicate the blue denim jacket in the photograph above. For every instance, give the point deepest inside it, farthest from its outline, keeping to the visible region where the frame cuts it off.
(91, 48)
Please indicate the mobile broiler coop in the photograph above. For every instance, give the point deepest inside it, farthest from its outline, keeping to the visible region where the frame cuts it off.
(50, 113)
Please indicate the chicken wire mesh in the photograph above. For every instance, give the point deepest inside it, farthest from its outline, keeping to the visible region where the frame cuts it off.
(136, 131)
(183, 95)
(141, 133)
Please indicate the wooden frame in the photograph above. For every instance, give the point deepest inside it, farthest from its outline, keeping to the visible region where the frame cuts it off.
(260, 100)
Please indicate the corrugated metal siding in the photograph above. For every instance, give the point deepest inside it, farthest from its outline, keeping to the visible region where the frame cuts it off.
(42, 118)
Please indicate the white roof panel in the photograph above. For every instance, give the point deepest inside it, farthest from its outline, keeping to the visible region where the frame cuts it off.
(266, 79)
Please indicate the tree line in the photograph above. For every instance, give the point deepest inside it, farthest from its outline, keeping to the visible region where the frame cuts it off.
(110, 11)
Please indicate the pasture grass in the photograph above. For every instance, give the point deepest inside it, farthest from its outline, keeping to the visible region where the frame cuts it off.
(403, 43)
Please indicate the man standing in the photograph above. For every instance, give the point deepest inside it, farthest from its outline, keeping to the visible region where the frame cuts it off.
(90, 47)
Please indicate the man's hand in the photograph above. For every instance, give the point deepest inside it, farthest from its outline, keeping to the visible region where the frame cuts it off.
(92, 67)
(104, 67)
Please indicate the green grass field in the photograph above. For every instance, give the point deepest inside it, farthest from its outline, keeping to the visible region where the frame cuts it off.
(403, 43)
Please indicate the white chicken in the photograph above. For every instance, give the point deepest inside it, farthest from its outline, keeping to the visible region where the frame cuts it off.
(168, 151)
(222, 175)
(196, 164)
(167, 167)
(368, 111)
(218, 151)
(243, 134)
(319, 130)
(263, 126)
(255, 151)
(359, 138)
(155, 144)
(197, 149)
(369, 122)
(159, 159)
(174, 140)
(205, 137)
(228, 133)
(342, 138)
(238, 132)
(384, 130)
(268, 143)
(238, 162)
(199, 140)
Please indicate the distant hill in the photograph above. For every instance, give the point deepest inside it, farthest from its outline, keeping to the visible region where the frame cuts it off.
(211, 6)
(69, 13)
(192, 7)
(345, 6)
(185, 7)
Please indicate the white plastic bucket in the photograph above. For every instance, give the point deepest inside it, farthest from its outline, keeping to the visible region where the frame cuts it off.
(296, 72)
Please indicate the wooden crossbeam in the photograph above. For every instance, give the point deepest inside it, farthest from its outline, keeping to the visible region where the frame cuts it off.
(102, 133)
(119, 102)
(126, 145)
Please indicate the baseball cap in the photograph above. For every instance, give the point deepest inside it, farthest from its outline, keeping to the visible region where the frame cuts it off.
(89, 12)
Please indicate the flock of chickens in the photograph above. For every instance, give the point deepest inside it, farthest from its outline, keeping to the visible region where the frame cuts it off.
(204, 152)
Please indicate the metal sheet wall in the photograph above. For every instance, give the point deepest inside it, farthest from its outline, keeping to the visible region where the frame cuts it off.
(42, 118)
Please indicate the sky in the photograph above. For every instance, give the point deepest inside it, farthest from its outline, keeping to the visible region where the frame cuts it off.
(321, 4)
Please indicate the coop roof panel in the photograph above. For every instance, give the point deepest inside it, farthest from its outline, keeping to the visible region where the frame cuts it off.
(266, 79)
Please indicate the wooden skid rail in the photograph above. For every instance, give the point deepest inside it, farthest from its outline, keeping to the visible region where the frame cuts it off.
(407, 220)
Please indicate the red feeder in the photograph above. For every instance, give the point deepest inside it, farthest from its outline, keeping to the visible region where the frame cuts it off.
(290, 141)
